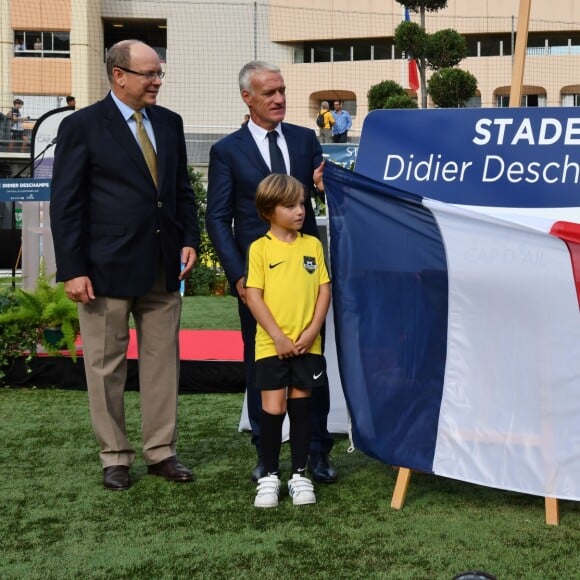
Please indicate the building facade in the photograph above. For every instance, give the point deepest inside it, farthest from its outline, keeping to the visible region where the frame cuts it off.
(327, 49)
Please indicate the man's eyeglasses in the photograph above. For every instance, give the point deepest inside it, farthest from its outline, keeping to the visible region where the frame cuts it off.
(150, 76)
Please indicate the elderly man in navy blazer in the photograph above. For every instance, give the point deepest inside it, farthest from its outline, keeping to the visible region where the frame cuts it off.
(125, 230)
(237, 165)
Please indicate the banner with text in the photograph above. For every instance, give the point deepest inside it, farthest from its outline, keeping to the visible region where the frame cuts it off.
(340, 153)
(516, 157)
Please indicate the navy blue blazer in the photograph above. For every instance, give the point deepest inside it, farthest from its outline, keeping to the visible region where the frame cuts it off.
(109, 222)
(236, 167)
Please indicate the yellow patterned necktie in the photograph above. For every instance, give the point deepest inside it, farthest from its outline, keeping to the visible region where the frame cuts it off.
(146, 146)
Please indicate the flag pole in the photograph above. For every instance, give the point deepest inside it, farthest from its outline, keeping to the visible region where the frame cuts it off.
(404, 66)
(551, 503)
(520, 53)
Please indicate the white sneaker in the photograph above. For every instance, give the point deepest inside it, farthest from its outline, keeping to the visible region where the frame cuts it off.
(267, 491)
(301, 490)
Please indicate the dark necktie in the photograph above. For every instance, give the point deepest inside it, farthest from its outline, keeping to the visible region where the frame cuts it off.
(146, 146)
(276, 158)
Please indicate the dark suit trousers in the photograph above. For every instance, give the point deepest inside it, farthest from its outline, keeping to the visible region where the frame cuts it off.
(321, 441)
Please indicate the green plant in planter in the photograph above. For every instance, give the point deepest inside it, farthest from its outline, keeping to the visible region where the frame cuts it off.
(220, 286)
(47, 308)
(16, 338)
(201, 280)
(206, 281)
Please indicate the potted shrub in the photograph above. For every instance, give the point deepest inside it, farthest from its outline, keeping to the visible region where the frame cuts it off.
(220, 286)
(48, 309)
(16, 338)
(201, 280)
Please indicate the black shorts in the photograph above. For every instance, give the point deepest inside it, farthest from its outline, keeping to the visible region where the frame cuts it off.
(17, 135)
(307, 371)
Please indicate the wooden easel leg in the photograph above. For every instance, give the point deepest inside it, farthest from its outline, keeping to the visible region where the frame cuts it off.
(401, 485)
(552, 511)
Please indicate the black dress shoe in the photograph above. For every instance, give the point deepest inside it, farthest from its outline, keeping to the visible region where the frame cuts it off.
(321, 469)
(171, 470)
(258, 472)
(116, 477)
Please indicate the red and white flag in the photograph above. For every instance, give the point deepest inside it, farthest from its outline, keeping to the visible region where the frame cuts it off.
(413, 70)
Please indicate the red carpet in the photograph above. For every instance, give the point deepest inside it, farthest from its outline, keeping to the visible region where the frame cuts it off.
(198, 345)
(211, 361)
(203, 345)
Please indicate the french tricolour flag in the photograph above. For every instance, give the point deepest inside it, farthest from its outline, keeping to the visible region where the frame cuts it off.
(458, 337)
(412, 66)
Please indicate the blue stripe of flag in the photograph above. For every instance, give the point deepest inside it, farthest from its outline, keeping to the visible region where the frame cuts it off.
(390, 303)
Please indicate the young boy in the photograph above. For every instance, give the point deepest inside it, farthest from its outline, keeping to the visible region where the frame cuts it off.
(288, 293)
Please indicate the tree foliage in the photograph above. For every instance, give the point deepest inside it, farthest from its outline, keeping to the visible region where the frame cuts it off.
(411, 39)
(207, 254)
(379, 94)
(389, 95)
(425, 5)
(207, 276)
(438, 51)
(451, 87)
(400, 102)
(445, 49)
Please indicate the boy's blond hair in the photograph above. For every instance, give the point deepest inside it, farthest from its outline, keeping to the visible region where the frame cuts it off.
(277, 189)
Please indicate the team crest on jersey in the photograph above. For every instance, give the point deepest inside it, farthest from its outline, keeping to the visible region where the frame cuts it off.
(310, 264)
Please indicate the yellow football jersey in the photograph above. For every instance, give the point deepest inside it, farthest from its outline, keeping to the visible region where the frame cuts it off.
(289, 275)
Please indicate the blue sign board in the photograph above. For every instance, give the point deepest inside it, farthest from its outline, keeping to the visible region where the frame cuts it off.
(24, 189)
(504, 157)
(341, 153)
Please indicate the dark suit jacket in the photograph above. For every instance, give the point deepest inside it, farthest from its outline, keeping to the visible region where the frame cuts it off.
(236, 167)
(109, 222)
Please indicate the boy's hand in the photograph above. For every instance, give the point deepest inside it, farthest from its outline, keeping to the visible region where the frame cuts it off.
(306, 340)
(285, 347)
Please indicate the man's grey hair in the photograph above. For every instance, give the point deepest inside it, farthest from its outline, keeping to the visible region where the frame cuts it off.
(119, 55)
(250, 69)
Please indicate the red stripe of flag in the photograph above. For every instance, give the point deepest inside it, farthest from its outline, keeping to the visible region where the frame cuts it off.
(413, 70)
(569, 233)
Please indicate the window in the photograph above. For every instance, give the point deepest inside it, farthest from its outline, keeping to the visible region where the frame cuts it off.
(341, 51)
(38, 44)
(151, 31)
(347, 50)
(361, 50)
(571, 100)
(36, 105)
(488, 45)
(535, 100)
(348, 105)
(531, 100)
(321, 54)
(478, 45)
(502, 101)
(298, 56)
(552, 43)
(473, 102)
(382, 51)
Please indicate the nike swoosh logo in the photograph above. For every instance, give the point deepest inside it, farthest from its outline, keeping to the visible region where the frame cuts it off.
(317, 376)
(276, 264)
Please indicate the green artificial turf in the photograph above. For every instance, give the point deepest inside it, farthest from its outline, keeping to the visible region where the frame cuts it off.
(56, 520)
(210, 312)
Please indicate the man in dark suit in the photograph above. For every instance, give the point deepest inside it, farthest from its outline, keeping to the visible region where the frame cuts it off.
(237, 165)
(125, 230)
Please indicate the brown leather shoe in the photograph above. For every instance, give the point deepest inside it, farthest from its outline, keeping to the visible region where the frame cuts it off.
(116, 477)
(171, 470)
